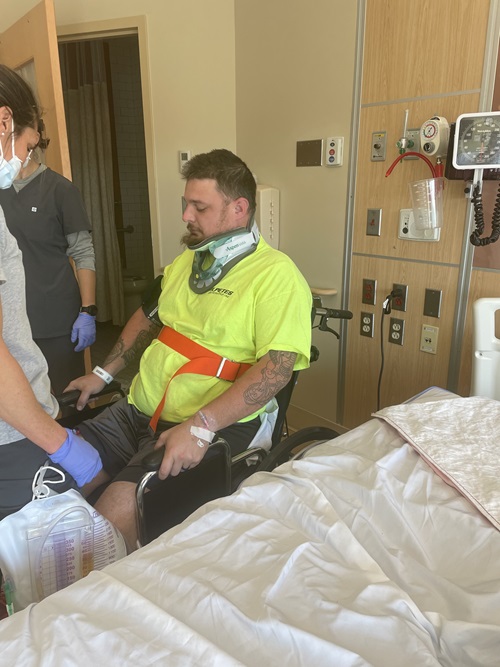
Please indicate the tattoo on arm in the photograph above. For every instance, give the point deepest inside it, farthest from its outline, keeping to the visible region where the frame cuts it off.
(143, 339)
(275, 375)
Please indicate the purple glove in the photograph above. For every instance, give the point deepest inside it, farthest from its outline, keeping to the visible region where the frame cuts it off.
(77, 457)
(84, 331)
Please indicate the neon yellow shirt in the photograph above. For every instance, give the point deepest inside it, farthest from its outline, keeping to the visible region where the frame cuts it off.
(263, 303)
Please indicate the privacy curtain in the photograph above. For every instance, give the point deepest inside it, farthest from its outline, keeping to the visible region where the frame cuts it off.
(85, 90)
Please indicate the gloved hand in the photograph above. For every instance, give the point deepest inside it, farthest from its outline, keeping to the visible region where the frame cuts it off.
(78, 457)
(84, 331)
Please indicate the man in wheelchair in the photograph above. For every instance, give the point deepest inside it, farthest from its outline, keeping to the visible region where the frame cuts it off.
(235, 322)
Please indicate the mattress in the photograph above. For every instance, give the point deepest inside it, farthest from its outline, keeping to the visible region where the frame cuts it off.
(358, 554)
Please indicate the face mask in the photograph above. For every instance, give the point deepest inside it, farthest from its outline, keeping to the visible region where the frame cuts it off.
(9, 170)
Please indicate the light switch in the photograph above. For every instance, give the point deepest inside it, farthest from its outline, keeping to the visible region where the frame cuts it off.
(373, 221)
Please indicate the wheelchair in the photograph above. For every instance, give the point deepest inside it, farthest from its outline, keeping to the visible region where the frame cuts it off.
(163, 504)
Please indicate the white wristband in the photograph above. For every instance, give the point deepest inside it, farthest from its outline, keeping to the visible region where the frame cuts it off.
(104, 375)
(202, 433)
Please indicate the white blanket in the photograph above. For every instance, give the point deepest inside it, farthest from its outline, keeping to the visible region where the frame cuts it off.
(466, 454)
(358, 555)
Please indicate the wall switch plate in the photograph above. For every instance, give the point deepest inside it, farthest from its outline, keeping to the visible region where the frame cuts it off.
(373, 221)
(429, 339)
(334, 152)
(369, 291)
(309, 153)
(184, 156)
(399, 302)
(378, 147)
(432, 302)
(366, 325)
(396, 331)
(409, 232)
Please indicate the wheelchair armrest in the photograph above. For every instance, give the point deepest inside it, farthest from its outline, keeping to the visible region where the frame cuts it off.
(281, 452)
(152, 460)
(69, 398)
(249, 453)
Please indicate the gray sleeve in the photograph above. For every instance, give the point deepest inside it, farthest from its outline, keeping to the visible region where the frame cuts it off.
(81, 250)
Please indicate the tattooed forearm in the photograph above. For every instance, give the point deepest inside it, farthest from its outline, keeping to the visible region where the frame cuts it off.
(275, 375)
(143, 339)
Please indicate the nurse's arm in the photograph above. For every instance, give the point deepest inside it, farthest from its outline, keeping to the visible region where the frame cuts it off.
(19, 406)
(133, 340)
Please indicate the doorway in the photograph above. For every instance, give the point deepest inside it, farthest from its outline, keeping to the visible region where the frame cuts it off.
(109, 166)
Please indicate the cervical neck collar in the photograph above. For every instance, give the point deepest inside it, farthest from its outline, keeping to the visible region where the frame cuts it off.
(219, 254)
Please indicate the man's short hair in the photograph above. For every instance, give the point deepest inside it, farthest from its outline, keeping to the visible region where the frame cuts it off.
(232, 176)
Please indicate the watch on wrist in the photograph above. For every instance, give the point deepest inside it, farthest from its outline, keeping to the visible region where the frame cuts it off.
(90, 310)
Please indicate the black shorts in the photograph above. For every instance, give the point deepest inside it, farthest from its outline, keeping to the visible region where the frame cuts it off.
(19, 461)
(122, 436)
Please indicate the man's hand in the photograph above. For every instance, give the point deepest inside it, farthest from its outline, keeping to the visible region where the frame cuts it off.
(87, 385)
(182, 450)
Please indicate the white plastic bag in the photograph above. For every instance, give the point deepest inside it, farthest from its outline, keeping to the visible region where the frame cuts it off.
(52, 542)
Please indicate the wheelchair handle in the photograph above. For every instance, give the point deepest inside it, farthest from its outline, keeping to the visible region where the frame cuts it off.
(68, 398)
(152, 460)
(333, 313)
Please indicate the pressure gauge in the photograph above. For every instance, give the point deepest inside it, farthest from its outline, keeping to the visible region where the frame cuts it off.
(434, 135)
(477, 141)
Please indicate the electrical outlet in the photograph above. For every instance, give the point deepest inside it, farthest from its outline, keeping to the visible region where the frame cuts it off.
(369, 291)
(366, 325)
(429, 339)
(396, 331)
(399, 302)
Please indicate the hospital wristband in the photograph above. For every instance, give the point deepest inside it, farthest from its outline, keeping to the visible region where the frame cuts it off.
(202, 433)
(104, 375)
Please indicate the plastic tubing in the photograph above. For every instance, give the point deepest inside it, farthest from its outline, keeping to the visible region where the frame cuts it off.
(414, 154)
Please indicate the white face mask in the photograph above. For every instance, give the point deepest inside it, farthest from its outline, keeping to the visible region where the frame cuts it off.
(9, 170)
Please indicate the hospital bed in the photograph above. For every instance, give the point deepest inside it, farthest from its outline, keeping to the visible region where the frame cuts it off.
(362, 552)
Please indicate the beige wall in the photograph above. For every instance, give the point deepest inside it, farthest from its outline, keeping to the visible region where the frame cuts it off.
(294, 81)
(259, 75)
(190, 53)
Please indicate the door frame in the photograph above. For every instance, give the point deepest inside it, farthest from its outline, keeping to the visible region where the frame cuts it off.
(32, 38)
(114, 28)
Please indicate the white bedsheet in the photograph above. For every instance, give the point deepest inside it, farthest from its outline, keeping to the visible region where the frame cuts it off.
(357, 555)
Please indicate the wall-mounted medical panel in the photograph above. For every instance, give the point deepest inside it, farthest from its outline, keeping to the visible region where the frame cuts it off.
(406, 370)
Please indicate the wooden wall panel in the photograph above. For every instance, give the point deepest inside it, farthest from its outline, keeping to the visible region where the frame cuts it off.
(426, 57)
(375, 190)
(419, 47)
(407, 370)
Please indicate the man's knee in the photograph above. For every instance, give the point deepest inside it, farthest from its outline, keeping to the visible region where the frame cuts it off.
(117, 504)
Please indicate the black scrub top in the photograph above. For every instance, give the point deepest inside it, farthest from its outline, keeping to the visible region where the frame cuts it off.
(40, 216)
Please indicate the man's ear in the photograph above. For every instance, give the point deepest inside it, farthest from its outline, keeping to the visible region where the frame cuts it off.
(241, 207)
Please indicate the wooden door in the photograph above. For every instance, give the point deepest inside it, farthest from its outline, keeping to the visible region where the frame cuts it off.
(31, 44)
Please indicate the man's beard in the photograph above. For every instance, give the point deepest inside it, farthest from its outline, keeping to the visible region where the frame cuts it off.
(188, 239)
